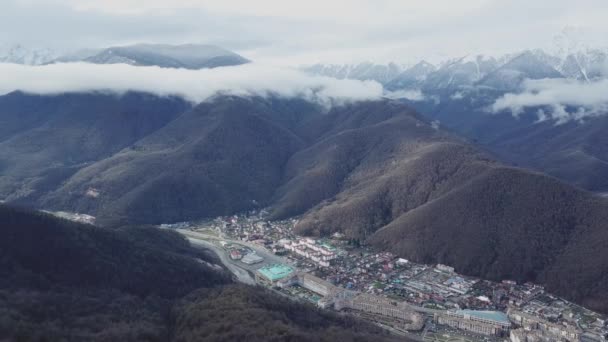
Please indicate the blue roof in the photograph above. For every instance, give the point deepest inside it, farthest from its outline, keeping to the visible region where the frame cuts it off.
(276, 271)
(490, 315)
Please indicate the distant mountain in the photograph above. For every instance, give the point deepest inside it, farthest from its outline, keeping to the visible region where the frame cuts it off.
(510, 76)
(458, 73)
(376, 170)
(382, 73)
(77, 56)
(587, 66)
(459, 92)
(18, 54)
(411, 78)
(168, 56)
(62, 281)
(504, 72)
(573, 151)
(189, 56)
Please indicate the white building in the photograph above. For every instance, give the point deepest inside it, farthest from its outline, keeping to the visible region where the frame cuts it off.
(251, 259)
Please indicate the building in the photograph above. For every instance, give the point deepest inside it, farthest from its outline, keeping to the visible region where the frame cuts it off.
(445, 268)
(396, 314)
(251, 259)
(271, 274)
(314, 284)
(493, 323)
(523, 335)
(537, 329)
(235, 254)
(320, 253)
(381, 309)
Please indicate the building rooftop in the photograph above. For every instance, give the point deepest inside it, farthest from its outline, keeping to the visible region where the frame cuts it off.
(252, 258)
(328, 246)
(276, 271)
(489, 315)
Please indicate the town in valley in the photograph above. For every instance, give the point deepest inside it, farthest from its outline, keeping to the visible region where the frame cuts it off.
(422, 302)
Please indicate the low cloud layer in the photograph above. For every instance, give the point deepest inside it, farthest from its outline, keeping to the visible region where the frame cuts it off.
(195, 86)
(558, 99)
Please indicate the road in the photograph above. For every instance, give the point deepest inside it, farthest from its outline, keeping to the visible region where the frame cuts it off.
(241, 274)
(410, 336)
(269, 256)
(241, 270)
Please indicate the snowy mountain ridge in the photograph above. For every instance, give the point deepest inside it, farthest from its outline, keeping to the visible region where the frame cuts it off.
(584, 65)
(18, 54)
(189, 56)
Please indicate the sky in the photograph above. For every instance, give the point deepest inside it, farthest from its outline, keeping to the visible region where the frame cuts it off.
(306, 32)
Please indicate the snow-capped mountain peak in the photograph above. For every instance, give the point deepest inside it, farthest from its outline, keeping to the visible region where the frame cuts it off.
(382, 73)
(19, 54)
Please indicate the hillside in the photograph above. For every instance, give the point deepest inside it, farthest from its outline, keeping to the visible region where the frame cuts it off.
(61, 280)
(507, 224)
(46, 139)
(252, 314)
(576, 152)
(72, 282)
(219, 158)
(375, 170)
(431, 198)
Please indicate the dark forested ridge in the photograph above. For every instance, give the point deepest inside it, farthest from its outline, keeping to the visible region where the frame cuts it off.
(574, 150)
(65, 281)
(44, 140)
(242, 313)
(221, 157)
(62, 281)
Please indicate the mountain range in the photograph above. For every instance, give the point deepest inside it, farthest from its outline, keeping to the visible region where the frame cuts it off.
(587, 65)
(458, 94)
(189, 56)
(376, 171)
(19, 54)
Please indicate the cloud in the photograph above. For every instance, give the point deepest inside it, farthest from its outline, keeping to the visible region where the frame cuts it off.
(193, 85)
(560, 99)
(412, 95)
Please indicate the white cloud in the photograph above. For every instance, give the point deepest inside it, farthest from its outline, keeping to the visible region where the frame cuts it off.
(561, 99)
(193, 85)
